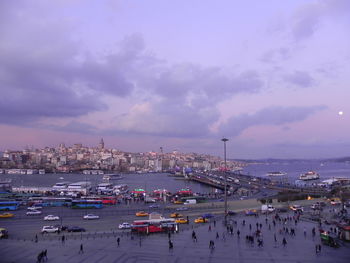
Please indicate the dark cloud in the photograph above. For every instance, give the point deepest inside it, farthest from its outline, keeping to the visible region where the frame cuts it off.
(300, 78)
(268, 116)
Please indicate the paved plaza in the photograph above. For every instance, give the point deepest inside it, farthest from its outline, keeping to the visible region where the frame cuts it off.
(155, 247)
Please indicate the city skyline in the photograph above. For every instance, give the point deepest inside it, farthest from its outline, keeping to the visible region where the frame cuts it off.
(270, 76)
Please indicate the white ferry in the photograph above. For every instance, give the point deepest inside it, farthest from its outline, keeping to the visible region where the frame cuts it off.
(310, 175)
(276, 173)
(60, 185)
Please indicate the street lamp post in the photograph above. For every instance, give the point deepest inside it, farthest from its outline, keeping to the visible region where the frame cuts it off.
(225, 189)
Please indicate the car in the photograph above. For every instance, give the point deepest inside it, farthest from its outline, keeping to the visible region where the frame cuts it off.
(31, 208)
(181, 220)
(282, 210)
(175, 215)
(201, 220)
(297, 208)
(182, 209)
(50, 229)
(51, 218)
(124, 225)
(207, 215)
(75, 229)
(6, 215)
(231, 213)
(3, 233)
(90, 216)
(141, 213)
(154, 206)
(33, 212)
(178, 202)
(252, 212)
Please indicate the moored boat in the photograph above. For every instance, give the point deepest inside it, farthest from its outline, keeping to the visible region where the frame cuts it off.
(276, 173)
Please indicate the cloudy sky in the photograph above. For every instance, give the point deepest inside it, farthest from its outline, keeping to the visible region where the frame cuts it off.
(272, 76)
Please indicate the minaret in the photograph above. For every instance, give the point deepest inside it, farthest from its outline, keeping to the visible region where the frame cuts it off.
(101, 145)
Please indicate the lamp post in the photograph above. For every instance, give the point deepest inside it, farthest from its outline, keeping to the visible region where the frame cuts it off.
(225, 174)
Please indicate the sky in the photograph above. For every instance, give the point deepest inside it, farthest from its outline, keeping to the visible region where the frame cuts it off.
(271, 76)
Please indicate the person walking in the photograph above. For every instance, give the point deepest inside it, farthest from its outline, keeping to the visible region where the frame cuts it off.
(63, 239)
(45, 255)
(118, 241)
(36, 238)
(217, 235)
(209, 228)
(171, 246)
(284, 242)
(81, 250)
(39, 257)
(238, 233)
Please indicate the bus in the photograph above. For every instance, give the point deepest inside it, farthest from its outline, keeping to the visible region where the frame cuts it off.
(87, 203)
(9, 205)
(154, 225)
(50, 201)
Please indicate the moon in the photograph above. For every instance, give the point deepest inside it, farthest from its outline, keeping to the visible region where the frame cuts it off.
(340, 113)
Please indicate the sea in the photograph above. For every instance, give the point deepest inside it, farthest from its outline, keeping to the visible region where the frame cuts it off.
(153, 181)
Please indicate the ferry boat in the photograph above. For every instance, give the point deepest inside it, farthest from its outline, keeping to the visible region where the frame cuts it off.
(276, 173)
(310, 175)
(108, 177)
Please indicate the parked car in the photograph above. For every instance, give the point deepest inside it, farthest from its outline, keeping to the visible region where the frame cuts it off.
(6, 215)
(49, 229)
(33, 212)
(90, 216)
(124, 225)
(75, 229)
(51, 218)
(252, 212)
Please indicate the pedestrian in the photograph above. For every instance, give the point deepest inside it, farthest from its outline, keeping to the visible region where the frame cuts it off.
(250, 226)
(36, 238)
(39, 257)
(118, 241)
(284, 242)
(81, 250)
(45, 255)
(238, 233)
(169, 235)
(170, 245)
(275, 238)
(316, 249)
(63, 239)
(304, 232)
(209, 228)
(217, 235)
(319, 248)
(214, 223)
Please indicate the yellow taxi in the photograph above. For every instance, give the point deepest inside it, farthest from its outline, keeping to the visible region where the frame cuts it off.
(201, 220)
(178, 202)
(6, 215)
(181, 221)
(141, 213)
(175, 215)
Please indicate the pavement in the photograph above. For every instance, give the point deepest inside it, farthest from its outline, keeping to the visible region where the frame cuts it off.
(103, 247)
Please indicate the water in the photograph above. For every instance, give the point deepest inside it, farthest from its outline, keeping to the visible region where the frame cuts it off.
(149, 182)
(326, 170)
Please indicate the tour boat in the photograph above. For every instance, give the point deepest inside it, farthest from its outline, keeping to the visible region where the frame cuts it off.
(311, 175)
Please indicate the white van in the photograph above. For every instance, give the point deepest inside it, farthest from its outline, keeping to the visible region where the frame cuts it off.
(267, 209)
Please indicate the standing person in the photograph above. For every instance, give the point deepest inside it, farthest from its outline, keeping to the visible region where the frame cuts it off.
(118, 241)
(238, 233)
(170, 245)
(319, 248)
(217, 235)
(36, 238)
(81, 250)
(214, 223)
(209, 228)
(63, 239)
(304, 232)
